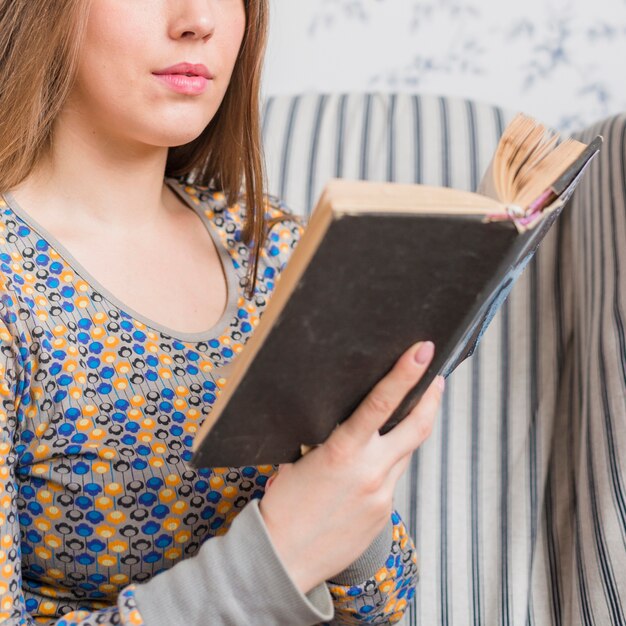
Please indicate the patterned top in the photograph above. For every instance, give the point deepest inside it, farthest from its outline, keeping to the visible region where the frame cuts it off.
(98, 410)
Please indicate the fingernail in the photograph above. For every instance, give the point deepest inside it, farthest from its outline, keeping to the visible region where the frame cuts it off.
(441, 382)
(424, 352)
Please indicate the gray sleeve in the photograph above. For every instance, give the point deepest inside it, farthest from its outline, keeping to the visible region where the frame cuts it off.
(370, 561)
(237, 578)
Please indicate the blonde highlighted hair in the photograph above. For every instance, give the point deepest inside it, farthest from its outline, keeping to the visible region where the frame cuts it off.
(40, 41)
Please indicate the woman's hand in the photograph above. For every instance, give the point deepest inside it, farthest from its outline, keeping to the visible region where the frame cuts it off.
(323, 511)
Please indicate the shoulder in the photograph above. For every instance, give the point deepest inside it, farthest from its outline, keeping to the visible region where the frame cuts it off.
(17, 257)
(213, 202)
(283, 228)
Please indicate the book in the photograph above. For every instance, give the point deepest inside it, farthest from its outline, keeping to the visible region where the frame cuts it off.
(379, 267)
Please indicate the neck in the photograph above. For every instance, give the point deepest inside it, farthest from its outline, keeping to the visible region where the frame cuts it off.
(90, 176)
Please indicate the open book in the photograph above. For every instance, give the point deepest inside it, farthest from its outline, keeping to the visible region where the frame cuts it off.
(379, 267)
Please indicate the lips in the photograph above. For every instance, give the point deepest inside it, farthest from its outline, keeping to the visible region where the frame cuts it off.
(186, 69)
(185, 78)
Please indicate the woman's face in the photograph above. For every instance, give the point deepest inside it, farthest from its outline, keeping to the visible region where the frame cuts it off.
(124, 88)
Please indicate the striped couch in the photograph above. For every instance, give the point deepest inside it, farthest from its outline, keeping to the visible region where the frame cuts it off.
(517, 502)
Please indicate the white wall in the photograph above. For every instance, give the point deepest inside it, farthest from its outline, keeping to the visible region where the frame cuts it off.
(563, 61)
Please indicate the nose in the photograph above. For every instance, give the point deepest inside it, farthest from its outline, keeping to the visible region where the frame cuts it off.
(192, 19)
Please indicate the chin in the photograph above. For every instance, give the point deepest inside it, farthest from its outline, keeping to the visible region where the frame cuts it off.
(178, 136)
(176, 130)
(174, 142)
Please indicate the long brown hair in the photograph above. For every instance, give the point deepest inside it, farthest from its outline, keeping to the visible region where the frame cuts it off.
(39, 48)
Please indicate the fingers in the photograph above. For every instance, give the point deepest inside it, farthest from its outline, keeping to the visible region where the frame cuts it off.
(375, 410)
(416, 427)
(412, 432)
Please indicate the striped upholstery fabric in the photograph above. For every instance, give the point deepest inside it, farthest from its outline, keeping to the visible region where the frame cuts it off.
(517, 502)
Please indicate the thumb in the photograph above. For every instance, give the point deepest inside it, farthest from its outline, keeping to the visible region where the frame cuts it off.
(386, 395)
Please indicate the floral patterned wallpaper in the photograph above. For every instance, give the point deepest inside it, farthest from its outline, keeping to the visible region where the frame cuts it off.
(561, 60)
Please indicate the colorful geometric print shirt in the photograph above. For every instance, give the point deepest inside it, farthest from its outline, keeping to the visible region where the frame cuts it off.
(102, 521)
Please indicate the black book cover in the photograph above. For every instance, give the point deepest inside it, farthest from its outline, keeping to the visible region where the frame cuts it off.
(356, 309)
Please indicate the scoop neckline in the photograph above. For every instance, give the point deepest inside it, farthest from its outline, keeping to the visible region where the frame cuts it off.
(226, 261)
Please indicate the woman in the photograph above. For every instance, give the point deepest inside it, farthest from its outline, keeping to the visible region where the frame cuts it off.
(119, 306)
